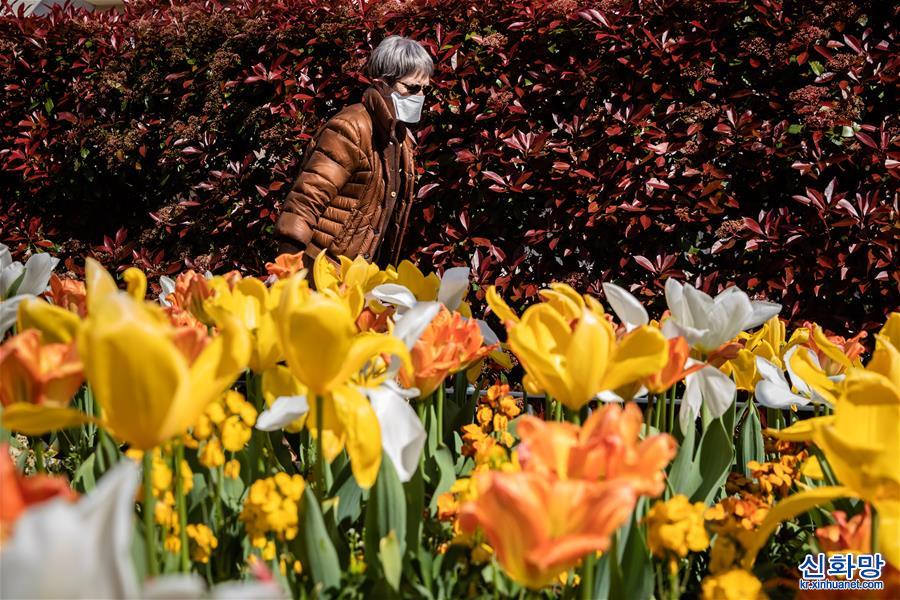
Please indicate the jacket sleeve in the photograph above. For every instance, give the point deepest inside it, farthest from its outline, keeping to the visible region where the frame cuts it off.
(335, 156)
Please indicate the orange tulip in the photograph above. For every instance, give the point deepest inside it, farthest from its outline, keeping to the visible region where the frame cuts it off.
(607, 447)
(541, 526)
(191, 289)
(69, 294)
(20, 492)
(38, 374)
(449, 344)
(285, 265)
(853, 535)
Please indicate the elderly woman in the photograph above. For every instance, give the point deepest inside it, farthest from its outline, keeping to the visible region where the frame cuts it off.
(355, 190)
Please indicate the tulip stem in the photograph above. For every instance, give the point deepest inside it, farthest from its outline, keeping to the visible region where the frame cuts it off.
(588, 566)
(674, 587)
(182, 508)
(649, 412)
(660, 416)
(439, 410)
(671, 425)
(149, 529)
(321, 466)
(38, 454)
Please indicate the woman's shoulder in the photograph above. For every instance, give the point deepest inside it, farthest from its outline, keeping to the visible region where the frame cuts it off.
(355, 116)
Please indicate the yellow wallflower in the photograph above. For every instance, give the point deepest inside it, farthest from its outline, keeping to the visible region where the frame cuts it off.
(212, 455)
(736, 584)
(271, 507)
(676, 527)
(233, 469)
(202, 542)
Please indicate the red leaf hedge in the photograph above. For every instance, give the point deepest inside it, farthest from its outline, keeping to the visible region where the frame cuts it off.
(748, 142)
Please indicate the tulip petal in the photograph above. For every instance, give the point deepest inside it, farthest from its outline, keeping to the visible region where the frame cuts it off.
(5, 256)
(773, 395)
(284, 411)
(393, 294)
(725, 317)
(57, 324)
(639, 354)
(762, 312)
(788, 508)
(37, 273)
(628, 308)
(363, 433)
(410, 327)
(489, 335)
(8, 310)
(167, 286)
(10, 278)
(770, 372)
(805, 366)
(98, 283)
(672, 329)
(402, 435)
(454, 285)
(707, 386)
(499, 306)
(38, 419)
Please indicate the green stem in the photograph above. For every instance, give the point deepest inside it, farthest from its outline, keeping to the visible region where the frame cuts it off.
(181, 504)
(660, 416)
(648, 414)
(439, 409)
(558, 411)
(671, 425)
(149, 505)
(220, 512)
(548, 407)
(38, 454)
(322, 471)
(674, 584)
(587, 575)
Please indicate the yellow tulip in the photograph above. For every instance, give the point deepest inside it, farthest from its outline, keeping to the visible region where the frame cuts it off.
(325, 352)
(57, 324)
(253, 304)
(423, 287)
(860, 442)
(135, 283)
(350, 273)
(573, 363)
(148, 390)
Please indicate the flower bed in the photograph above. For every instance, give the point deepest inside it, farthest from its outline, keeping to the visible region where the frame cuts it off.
(303, 443)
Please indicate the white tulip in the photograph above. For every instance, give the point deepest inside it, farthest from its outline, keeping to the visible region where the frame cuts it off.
(708, 386)
(18, 282)
(708, 322)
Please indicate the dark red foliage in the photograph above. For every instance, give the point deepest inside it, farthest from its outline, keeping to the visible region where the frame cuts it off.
(755, 143)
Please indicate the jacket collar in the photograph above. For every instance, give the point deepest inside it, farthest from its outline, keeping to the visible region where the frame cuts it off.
(377, 100)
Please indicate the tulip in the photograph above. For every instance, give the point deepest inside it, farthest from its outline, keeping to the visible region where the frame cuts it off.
(98, 529)
(708, 322)
(38, 373)
(574, 363)
(19, 282)
(678, 366)
(540, 526)
(285, 265)
(349, 274)
(85, 545)
(401, 432)
(148, 389)
(20, 492)
(253, 304)
(69, 294)
(324, 351)
(861, 445)
(449, 344)
(607, 447)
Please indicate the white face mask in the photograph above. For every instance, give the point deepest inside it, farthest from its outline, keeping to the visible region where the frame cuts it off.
(408, 108)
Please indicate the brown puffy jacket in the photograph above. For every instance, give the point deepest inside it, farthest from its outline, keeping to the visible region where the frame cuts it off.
(355, 189)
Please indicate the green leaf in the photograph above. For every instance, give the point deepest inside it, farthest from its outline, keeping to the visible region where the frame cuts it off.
(636, 568)
(442, 465)
(751, 444)
(349, 496)
(391, 559)
(83, 479)
(318, 551)
(386, 511)
(714, 462)
(683, 477)
(795, 128)
(414, 490)
(816, 67)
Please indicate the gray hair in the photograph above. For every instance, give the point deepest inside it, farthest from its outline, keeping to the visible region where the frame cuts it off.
(397, 57)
